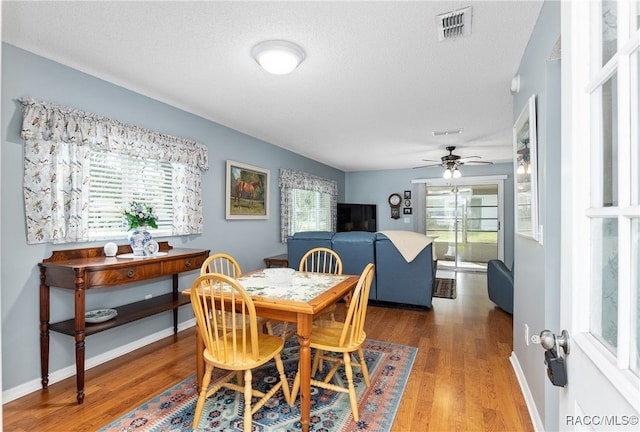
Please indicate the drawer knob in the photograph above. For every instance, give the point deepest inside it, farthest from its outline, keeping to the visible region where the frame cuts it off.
(187, 263)
(131, 273)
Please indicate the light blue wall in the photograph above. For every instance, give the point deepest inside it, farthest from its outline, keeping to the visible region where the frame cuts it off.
(374, 187)
(27, 75)
(537, 272)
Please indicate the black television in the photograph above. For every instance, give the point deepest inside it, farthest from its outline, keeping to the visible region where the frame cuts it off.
(357, 217)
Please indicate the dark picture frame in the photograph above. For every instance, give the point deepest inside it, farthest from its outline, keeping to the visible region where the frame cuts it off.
(247, 191)
(407, 210)
(407, 194)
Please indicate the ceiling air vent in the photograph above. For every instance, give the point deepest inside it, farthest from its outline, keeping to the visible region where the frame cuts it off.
(454, 24)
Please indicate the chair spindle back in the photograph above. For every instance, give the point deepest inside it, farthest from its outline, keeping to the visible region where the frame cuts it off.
(221, 263)
(215, 299)
(353, 330)
(321, 260)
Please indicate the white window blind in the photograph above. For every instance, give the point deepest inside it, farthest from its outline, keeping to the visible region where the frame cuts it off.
(312, 211)
(115, 181)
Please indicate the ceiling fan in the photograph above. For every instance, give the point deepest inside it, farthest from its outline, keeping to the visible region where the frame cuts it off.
(451, 162)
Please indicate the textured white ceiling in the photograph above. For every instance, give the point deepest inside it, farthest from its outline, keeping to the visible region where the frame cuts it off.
(374, 84)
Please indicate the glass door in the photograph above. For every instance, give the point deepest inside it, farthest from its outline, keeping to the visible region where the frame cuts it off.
(464, 220)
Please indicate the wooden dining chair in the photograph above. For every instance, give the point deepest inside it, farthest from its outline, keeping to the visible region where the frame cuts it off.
(321, 260)
(221, 263)
(233, 345)
(342, 337)
(227, 265)
(316, 260)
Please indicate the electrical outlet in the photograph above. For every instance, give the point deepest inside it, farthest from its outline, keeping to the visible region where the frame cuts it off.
(148, 296)
(526, 334)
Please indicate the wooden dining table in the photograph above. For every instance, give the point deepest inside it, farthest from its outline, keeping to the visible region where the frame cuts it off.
(297, 301)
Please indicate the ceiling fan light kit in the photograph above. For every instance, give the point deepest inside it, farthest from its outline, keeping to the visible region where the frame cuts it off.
(451, 172)
(278, 57)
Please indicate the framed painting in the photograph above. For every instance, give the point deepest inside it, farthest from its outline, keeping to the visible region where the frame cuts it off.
(247, 191)
(526, 171)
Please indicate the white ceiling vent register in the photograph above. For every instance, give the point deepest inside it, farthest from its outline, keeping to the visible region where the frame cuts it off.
(454, 24)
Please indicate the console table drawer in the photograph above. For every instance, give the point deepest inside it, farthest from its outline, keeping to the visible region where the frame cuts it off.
(122, 276)
(181, 265)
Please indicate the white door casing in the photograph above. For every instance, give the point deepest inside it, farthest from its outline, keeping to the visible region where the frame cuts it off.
(603, 391)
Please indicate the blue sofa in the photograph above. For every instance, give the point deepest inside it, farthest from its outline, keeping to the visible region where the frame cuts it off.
(500, 285)
(395, 281)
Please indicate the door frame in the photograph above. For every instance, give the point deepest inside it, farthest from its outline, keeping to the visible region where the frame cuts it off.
(475, 180)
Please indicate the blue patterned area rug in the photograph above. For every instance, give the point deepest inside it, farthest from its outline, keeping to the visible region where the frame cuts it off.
(389, 368)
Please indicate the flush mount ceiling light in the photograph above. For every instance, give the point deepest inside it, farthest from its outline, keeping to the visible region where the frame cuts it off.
(277, 56)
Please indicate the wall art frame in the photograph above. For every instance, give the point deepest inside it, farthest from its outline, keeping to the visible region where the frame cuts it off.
(525, 156)
(246, 191)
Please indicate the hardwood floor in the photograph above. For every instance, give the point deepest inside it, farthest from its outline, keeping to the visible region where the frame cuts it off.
(461, 380)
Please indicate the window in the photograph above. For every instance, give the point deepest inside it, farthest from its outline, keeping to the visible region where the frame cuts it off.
(117, 180)
(307, 203)
(312, 211)
(81, 170)
(609, 174)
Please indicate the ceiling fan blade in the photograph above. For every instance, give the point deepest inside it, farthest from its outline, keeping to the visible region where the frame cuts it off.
(428, 166)
(478, 162)
(471, 157)
(431, 160)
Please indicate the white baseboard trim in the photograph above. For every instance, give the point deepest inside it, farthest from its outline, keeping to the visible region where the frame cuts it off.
(538, 426)
(66, 372)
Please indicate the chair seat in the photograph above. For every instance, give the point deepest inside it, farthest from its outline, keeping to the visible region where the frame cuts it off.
(326, 336)
(269, 345)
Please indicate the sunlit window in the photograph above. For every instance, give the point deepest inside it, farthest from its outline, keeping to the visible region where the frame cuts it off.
(116, 181)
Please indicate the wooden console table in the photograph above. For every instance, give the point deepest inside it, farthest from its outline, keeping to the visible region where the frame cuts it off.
(278, 261)
(84, 269)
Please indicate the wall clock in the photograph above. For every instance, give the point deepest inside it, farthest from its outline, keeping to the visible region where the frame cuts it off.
(394, 201)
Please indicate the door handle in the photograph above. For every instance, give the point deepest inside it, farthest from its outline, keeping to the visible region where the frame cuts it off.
(549, 341)
(556, 367)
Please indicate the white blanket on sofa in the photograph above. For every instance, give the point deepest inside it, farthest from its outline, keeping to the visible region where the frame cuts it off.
(409, 243)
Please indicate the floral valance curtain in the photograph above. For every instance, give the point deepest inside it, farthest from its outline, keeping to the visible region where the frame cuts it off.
(290, 180)
(58, 146)
(49, 122)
